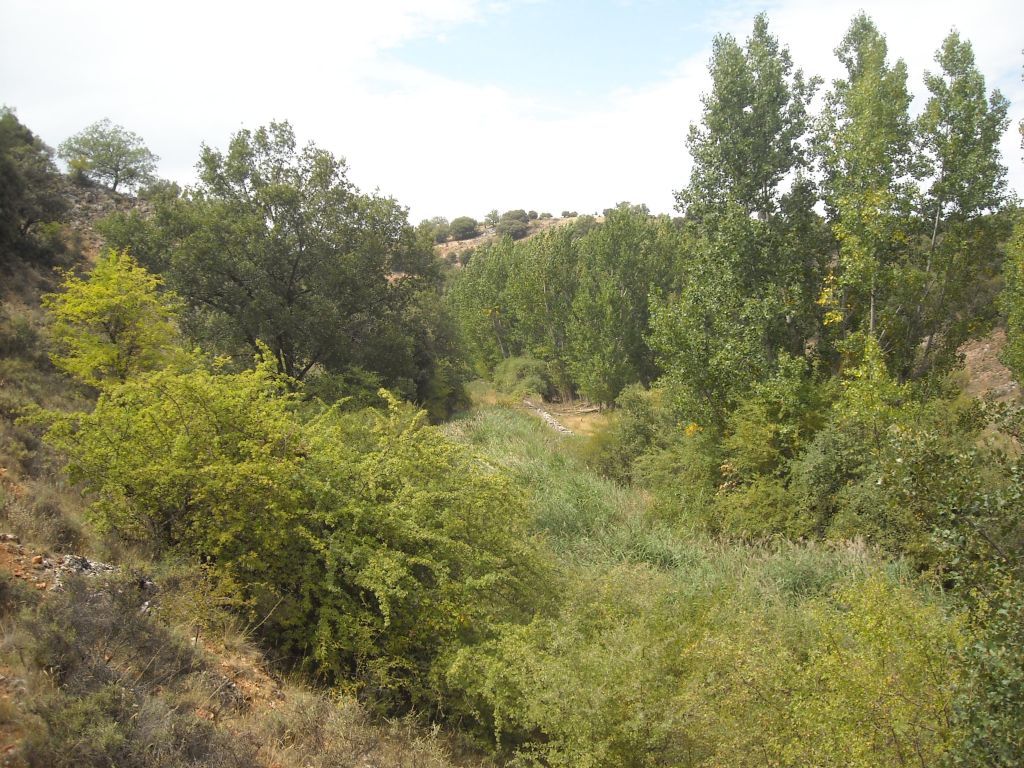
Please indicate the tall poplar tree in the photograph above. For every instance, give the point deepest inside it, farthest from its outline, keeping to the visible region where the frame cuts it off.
(752, 127)
(960, 130)
(865, 147)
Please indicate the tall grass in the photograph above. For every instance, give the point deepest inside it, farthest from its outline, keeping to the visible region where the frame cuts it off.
(672, 648)
(593, 522)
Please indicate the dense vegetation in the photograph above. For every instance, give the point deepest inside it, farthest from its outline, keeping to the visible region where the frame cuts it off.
(795, 540)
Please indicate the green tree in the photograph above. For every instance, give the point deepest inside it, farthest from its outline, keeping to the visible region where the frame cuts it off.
(746, 288)
(960, 130)
(30, 193)
(275, 245)
(463, 228)
(754, 120)
(437, 229)
(1012, 301)
(114, 324)
(710, 334)
(621, 264)
(478, 298)
(865, 149)
(109, 154)
(514, 224)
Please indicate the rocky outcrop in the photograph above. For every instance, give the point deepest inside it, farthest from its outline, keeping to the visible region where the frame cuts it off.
(87, 204)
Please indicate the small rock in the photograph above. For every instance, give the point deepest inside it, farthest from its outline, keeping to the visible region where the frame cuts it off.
(9, 537)
(37, 560)
(40, 585)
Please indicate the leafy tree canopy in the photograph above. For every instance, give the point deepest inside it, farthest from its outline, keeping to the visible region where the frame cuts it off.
(114, 323)
(107, 153)
(29, 184)
(463, 228)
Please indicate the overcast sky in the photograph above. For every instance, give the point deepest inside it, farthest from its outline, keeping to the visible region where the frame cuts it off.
(453, 107)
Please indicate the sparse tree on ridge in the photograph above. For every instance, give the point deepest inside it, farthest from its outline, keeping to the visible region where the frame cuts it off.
(109, 154)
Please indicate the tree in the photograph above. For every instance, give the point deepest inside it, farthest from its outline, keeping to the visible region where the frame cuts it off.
(514, 224)
(113, 324)
(710, 335)
(463, 228)
(753, 122)
(109, 154)
(865, 150)
(29, 185)
(276, 246)
(622, 264)
(960, 130)
(1012, 297)
(436, 229)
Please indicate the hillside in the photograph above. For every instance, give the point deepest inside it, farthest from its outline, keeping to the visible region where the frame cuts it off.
(282, 486)
(452, 250)
(136, 664)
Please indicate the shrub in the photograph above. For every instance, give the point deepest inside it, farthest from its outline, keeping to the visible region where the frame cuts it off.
(114, 323)
(513, 228)
(366, 543)
(516, 214)
(522, 376)
(437, 229)
(463, 228)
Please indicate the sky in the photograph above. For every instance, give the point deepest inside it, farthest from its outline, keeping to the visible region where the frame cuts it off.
(452, 107)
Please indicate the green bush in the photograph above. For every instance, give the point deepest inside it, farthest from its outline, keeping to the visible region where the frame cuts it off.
(513, 228)
(522, 376)
(463, 228)
(366, 543)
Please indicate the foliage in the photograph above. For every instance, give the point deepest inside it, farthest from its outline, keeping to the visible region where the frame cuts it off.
(29, 189)
(575, 297)
(437, 229)
(865, 148)
(791, 641)
(114, 324)
(463, 228)
(523, 376)
(422, 547)
(276, 246)
(1012, 301)
(981, 537)
(621, 264)
(107, 153)
(869, 684)
(514, 228)
(753, 122)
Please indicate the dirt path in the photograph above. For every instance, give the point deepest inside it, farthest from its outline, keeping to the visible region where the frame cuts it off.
(548, 419)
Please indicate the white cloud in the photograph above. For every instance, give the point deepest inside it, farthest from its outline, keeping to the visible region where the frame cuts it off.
(191, 72)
